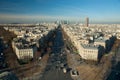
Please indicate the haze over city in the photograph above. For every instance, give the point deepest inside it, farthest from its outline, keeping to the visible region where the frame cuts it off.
(33, 11)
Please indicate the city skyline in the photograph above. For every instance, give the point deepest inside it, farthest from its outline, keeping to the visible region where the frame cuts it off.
(29, 11)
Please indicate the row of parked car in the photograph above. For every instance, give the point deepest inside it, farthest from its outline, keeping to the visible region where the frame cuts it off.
(2, 57)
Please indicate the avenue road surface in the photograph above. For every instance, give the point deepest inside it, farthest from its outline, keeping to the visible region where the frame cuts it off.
(54, 70)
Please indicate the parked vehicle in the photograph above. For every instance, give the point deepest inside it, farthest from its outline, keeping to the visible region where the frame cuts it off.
(64, 70)
(74, 73)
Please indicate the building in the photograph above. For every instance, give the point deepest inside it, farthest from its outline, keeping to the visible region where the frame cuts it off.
(87, 22)
(24, 52)
(22, 49)
(90, 51)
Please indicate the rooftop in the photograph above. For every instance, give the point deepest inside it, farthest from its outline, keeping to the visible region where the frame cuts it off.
(100, 40)
(90, 46)
(23, 47)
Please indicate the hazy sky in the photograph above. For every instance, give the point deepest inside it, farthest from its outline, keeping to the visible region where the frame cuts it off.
(27, 11)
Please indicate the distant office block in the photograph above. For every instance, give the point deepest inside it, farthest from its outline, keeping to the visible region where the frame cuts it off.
(87, 22)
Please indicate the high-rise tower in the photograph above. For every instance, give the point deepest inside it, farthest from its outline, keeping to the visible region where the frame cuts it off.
(87, 22)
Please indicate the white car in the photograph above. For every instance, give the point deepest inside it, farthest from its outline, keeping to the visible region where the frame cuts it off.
(64, 70)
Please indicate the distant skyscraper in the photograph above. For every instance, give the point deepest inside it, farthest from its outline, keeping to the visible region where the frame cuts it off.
(87, 22)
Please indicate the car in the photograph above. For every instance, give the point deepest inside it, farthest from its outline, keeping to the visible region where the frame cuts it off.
(74, 73)
(39, 58)
(64, 70)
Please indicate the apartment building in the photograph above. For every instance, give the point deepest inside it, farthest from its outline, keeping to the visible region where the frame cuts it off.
(23, 52)
(90, 51)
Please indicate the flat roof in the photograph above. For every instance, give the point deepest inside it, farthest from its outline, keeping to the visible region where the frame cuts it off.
(23, 47)
(100, 40)
(90, 46)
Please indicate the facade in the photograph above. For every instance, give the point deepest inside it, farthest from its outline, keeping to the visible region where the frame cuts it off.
(24, 52)
(90, 51)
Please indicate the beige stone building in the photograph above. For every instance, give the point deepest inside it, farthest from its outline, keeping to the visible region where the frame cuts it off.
(90, 51)
(24, 52)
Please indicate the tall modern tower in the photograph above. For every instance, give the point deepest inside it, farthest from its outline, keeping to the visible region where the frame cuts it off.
(87, 22)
